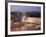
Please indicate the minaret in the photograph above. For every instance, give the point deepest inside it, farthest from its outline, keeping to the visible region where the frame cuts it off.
(23, 15)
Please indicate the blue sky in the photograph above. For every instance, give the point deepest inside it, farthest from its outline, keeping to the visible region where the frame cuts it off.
(26, 8)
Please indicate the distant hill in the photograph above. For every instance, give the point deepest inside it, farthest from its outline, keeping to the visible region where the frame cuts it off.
(33, 14)
(30, 14)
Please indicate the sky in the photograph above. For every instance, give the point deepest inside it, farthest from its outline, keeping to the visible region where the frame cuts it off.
(26, 8)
